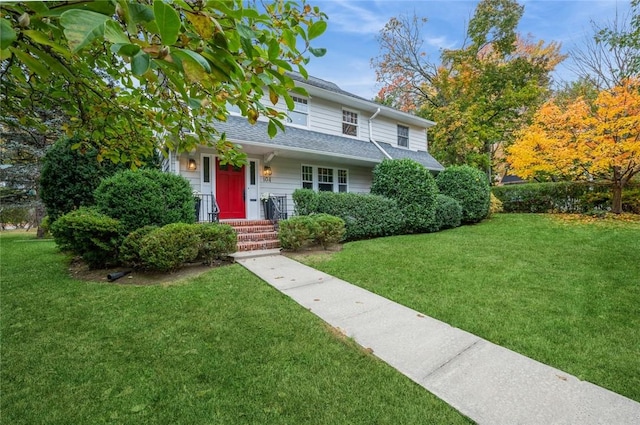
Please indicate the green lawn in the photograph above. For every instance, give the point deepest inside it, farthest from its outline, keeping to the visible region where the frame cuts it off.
(223, 348)
(564, 293)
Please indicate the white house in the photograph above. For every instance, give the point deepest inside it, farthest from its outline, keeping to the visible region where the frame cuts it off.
(332, 142)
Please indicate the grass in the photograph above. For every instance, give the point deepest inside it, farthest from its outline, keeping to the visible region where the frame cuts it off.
(563, 292)
(222, 348)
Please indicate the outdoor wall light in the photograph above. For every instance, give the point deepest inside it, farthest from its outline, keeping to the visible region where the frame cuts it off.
(191, 164)
(266, 172)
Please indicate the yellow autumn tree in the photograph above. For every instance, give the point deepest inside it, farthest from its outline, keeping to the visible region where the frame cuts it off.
(584, 140)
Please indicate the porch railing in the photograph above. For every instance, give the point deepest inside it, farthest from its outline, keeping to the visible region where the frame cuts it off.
(207, 208)
(275, 208)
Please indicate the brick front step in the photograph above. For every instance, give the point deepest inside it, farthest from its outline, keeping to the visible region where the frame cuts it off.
(254, 229)
(257, 245)
(243, 223)
(266, 236)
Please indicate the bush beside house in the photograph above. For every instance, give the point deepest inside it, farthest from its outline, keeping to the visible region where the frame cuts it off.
(470, 187)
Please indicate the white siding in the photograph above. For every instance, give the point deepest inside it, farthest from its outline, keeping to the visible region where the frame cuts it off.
(386, 130)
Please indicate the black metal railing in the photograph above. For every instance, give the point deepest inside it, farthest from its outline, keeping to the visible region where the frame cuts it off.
(207, 208)
(275, 208)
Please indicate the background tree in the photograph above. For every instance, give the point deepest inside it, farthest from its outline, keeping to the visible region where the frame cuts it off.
(134, 76)
(478, 94)
(584, 140)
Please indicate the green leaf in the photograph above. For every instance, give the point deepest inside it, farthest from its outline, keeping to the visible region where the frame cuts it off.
(81, 27)
(317, 29)
(41, 38)
(245, 32)
(274, 49)
(5, 54)
(32, 63)
(194, 56)
(140, 12)
(318, 52)
(168, 22)
(271, 129)
(125, 49)
(140, 63)
(7, 34)
(113, 33)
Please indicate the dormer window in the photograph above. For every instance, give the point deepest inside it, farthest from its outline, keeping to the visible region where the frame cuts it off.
(349, 123)
(403, 136)
(300, 114)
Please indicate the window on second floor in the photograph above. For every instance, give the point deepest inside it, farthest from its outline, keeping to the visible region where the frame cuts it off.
(300, 114)
(403, 136)
(349, 123)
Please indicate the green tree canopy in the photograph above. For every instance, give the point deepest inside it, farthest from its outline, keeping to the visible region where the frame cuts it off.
(132, 76)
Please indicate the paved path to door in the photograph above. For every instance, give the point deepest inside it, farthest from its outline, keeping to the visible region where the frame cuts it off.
(485, 382)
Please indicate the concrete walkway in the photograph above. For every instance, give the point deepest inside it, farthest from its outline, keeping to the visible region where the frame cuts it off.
(485, 382)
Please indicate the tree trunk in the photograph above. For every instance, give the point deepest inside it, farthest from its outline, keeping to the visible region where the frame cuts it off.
(616, 202)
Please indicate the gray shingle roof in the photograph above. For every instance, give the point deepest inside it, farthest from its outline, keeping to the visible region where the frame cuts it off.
(239, 130)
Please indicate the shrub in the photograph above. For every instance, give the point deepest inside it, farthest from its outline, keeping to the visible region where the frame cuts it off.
(329, 229)
(412, 186)
(365, 216)
(90, 234)
(470, 187)
(130, 247)
(216, 240)
(305, 201)
(296, 232)
(16, 215)
(495, 206)
(70, 176)
(448, 213)
(169, 247)
(146, 197)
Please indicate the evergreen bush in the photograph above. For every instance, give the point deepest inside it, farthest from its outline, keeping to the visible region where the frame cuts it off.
(448, 214)
(89, 234)
(329, 229)
(146, 197)
(130, 247)
(216, 241)
(470, 187)
(170, 247)
(305, 201)
(296, 232)
(412, 186)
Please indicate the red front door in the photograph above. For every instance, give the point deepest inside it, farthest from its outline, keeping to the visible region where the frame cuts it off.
(230, 190)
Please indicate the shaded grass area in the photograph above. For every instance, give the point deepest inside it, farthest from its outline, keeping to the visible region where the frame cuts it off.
(564, 293)
(222, 348)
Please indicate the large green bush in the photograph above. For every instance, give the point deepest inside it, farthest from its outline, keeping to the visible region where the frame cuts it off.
(296, 232)
(305, 201)
(412, 186)
(90, 234)
(470, 187)
(70, 176)
(564, 197)
(365, 216)
(146, 197)
(448, 213)
(169, 247)
(329, 229)
(216, 241)
(130, 248)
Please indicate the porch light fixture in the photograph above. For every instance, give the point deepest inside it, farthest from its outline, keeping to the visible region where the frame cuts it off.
(191, 164)
(266, 172)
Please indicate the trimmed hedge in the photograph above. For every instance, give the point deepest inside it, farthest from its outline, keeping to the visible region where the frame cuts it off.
(564, 197)
(365, 216)
(305, 201)
(90, 234)
(329, 229)
(448, 214)
(470, 187)
(169, 247)
(216, 241)
(412, 186)
(130, 247)
(296, 232)
(146, 197)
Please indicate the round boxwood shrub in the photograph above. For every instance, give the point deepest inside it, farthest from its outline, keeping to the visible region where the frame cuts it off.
(70, 176)
(130, 247)
(216, 241)
(90, 234)
(412, 186)
(448, 213)
(296, 232)
(169, 247)
(146, 197)
(470, 187)
(329, 229)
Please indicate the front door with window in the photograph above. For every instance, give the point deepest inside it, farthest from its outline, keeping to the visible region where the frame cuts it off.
(230, 190)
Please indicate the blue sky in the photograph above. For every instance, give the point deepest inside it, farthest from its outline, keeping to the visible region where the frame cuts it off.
(354, 24)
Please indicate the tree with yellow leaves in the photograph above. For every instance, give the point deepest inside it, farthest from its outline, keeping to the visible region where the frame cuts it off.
(584, 140)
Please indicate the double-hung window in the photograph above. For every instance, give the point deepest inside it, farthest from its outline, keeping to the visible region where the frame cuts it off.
(349, 123)
(300, 113)
(403, 136)
(325, 179)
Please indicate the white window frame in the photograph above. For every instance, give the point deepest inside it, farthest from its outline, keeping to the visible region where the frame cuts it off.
(304, 174)
(301, 108)
(349, 122)
(401, 136)
(337, 173)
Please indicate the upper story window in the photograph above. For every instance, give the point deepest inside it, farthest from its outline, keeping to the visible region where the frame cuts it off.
(349, 123)
(300, 113)
(403, 136)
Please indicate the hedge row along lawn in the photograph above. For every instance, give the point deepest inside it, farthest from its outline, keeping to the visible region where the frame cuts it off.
(561, 291)
(222, 348)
